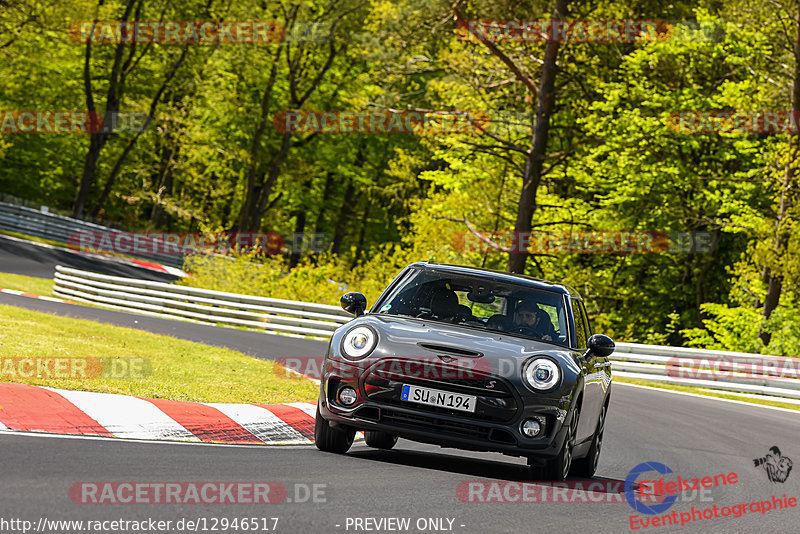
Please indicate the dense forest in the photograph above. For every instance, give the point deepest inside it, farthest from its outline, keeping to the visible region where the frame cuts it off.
(520, 127)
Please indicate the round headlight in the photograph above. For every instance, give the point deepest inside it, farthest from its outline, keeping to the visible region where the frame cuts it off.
(359, 342)
(542, 374)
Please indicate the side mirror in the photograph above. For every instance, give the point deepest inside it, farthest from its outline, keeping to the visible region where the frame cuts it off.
(355, 303)
(600, 345)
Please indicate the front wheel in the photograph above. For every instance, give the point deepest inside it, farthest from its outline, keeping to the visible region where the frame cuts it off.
(587, 467)
(329, 439)
(379, 440)
(558, 468)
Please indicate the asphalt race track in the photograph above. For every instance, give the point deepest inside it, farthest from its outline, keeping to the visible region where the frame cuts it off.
(19, 257)
(695, 437)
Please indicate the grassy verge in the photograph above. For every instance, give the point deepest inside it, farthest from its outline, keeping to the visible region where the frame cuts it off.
(700, 391)
(28, 284)
(35, 239)
(179, 370)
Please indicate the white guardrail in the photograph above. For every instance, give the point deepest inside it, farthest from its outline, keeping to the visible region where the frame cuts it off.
(738, 372)
(59, 228)
(199, 305)
(717, 370)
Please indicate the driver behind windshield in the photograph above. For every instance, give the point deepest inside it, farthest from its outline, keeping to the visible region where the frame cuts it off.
(530, 319)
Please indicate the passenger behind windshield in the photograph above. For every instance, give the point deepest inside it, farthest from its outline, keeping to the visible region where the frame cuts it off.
(479, 303)
(531, 320)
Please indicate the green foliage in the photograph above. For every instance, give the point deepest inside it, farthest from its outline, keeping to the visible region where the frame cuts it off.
(737, 328)
(615, 160)
(323, 283)
(727, 329)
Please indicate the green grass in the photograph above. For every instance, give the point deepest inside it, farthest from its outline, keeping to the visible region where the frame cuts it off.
(28, 284)
(700, 391)
(180, 370)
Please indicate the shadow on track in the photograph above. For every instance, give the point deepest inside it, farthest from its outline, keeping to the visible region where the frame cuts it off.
(477, 467)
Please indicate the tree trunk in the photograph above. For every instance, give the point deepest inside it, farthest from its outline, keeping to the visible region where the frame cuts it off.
(362, 234)
(132, 142)
(253, 186)
(775, 278)
(258, 189)
(96, 142)
(344, 216)
(326, 195)
(116, 82)
(164, 182)
(299, 230)
(253, 211)
(532, 174)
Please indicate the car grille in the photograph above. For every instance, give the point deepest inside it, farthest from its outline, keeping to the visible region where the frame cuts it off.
(384, 383)
(431, 423)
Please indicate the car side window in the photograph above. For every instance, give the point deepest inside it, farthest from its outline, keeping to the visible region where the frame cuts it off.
(580, 325)
(589, 331)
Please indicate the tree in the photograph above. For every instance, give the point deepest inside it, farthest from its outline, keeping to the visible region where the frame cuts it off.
(784, 222)
(304, 73)
(536, 155)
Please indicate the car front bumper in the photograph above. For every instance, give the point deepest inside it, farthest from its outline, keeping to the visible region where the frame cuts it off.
(418, 423)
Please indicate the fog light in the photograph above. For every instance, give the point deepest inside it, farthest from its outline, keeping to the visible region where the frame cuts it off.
(531, 428)
(347, 396)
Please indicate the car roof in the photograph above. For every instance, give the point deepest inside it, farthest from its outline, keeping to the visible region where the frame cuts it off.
(498, 275)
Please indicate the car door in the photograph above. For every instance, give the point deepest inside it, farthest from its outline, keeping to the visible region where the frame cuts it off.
(593, 383)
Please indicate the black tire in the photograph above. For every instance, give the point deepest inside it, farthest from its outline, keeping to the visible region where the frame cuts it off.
(379, 440)
(559, 467)
(587, 467)
(329, 439)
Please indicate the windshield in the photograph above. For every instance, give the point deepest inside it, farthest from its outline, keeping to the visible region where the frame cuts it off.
(479, 303)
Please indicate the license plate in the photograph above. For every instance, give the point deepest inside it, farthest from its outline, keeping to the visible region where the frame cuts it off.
(437, 397)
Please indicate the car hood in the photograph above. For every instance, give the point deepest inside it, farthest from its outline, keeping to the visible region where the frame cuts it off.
(416, 338)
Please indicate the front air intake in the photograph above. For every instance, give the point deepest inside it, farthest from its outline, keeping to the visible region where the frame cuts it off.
(370, 413)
